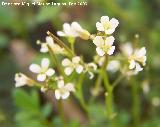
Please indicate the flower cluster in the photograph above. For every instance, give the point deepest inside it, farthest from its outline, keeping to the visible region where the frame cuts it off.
(72, 64)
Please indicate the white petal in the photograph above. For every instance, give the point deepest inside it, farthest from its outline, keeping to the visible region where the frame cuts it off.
(138, 68)
(44, 48)
(141, 52)
(109, 31)
(104, 19)
(113, 66)
(68, 70)
(99, 26)
(114, 22)
(127, 49)
(50, 72)
(98, 41)
(49, 40)
(70, 87)
(45, 63)
(79, 69)
(35, 68)
(61, 33)
(57, 94)
(92, 65)
(76, 60)
(76, 26)
(65, 95)
(100, 52)
(60, 83)
(68, 30)
(111, 50)
(66, 62)
(132, 64)
(91, 75)
(41, 77)
(109, 40)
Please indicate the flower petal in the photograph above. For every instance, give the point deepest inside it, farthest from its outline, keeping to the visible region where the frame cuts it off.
(79, 69)
(138, 68)
(99, 26)
(104, 19)
(45, 63)
(98, 41)
(50, 72)
(61, 33)
(66, 62)
(57, 94)
(114, 22)
(141, 52)
(111, 50)
(35, 68)
(70, 87)
(68, 70)
(49, 40)
(65, 95)
(41, 77)
(109, 40)
(75, 26)
(109, 31)
(76, 60)
(68, 30)
(100, 52)
(44, 48)
(132, 64)
(60, 83)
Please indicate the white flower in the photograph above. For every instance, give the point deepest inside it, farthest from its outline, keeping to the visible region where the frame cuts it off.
(127, 49)
(113, 66)
(63, 90)
(71, 65)
(22, 80)
(106, 25)
(53, 46)
(74, 30)
(137, 59)
(43, 71)
(90, 67)
(104, 46)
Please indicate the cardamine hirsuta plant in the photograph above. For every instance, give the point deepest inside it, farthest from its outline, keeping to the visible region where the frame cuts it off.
(70, 69)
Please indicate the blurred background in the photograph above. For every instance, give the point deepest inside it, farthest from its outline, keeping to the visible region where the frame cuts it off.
(21, 27)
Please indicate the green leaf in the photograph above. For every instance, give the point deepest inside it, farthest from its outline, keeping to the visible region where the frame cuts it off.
(25, 101)
(46, 110)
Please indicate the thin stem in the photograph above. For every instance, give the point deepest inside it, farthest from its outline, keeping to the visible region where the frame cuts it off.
(118, 80)
(96, 88)
(109, 94)
(136, 103)
(80, 91)
(60, 43)
(61, 113)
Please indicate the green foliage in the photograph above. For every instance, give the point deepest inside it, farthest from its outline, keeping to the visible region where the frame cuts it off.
(31, 114)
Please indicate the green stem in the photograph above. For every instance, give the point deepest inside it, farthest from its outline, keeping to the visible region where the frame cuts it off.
(96, 88)
(60, 43)
(61, 113)
(80, 91)
(55, 61)
(136, 103)
(109, 95)
(117, 80)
